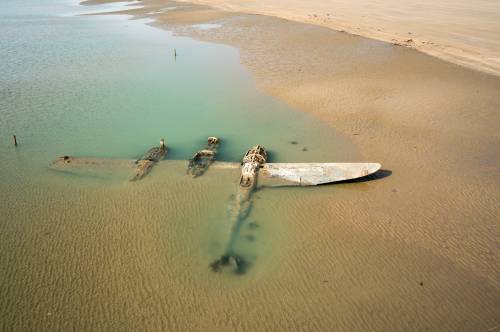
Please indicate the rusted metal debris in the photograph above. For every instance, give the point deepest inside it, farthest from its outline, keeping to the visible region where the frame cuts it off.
(69, 163)
(202, 159)
(311, 174)
(239, 263)
(252, 161)
(150, 158)
(140, 167)
(254, 168)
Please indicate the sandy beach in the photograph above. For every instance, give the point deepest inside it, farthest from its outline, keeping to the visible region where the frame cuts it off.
(462, 32)
(413, 248)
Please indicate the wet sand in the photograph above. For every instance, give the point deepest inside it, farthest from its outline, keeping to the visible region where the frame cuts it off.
(432, 124)
(416, 248)
(463, 32)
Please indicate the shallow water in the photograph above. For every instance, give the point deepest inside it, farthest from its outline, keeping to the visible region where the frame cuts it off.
(101, 253)
(110, 87)
(85, 252)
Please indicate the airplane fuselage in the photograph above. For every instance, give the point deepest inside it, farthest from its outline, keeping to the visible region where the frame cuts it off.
(253, 160)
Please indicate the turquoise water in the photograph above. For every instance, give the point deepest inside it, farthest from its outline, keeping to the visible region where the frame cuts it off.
(97, 253)
(110, 87)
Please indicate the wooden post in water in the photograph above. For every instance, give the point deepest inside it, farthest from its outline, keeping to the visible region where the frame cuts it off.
(175, 54)
(15, 140)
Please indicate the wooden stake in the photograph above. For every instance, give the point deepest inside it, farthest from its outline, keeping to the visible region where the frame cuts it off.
(15, 140)
(175, 53)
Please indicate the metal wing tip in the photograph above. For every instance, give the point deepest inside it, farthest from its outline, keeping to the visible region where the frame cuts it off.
(371, 169)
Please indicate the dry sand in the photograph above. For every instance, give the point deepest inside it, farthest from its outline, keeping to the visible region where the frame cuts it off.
(434, 125)
(461, 31)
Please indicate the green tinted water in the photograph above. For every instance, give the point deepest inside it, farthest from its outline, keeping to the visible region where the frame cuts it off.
(109, 87)
(85, 249)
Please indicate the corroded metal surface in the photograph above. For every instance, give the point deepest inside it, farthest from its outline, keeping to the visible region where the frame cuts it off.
(92, 167)
(252, 161)
(69, 163)
(150, 158)
(310, 174)
(254, 168)
(225, 165)
(85, 165)
(202, 159)
(240, 209)
(256, 154)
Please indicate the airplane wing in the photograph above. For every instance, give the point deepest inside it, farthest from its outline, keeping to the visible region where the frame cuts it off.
(311, 174)
(92, 167)
(225, 165)
(103, 167)
(68, 163)
(271, 174)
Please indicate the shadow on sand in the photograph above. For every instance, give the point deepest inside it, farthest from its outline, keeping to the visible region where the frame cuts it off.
(380, 174)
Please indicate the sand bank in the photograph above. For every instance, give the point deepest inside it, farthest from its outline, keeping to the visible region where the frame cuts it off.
(463, 32)
(433, 125)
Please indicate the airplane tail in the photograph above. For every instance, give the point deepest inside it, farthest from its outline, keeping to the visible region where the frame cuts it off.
(238, 213)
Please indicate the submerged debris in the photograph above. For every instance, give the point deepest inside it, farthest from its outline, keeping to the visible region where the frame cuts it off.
(252, 161)
(250, 237)
(253, 225)
(203, 158)
(239, 263)
(150, 158)
(240, 209)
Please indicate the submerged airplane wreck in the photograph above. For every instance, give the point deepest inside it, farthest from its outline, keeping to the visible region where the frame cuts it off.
(254, 167)
(255, 171)
(203, 158)
(253, 160)
(150, 158)
(141, 167)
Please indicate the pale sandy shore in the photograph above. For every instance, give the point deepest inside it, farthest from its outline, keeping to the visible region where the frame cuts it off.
(435, 127)
(463, 32)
